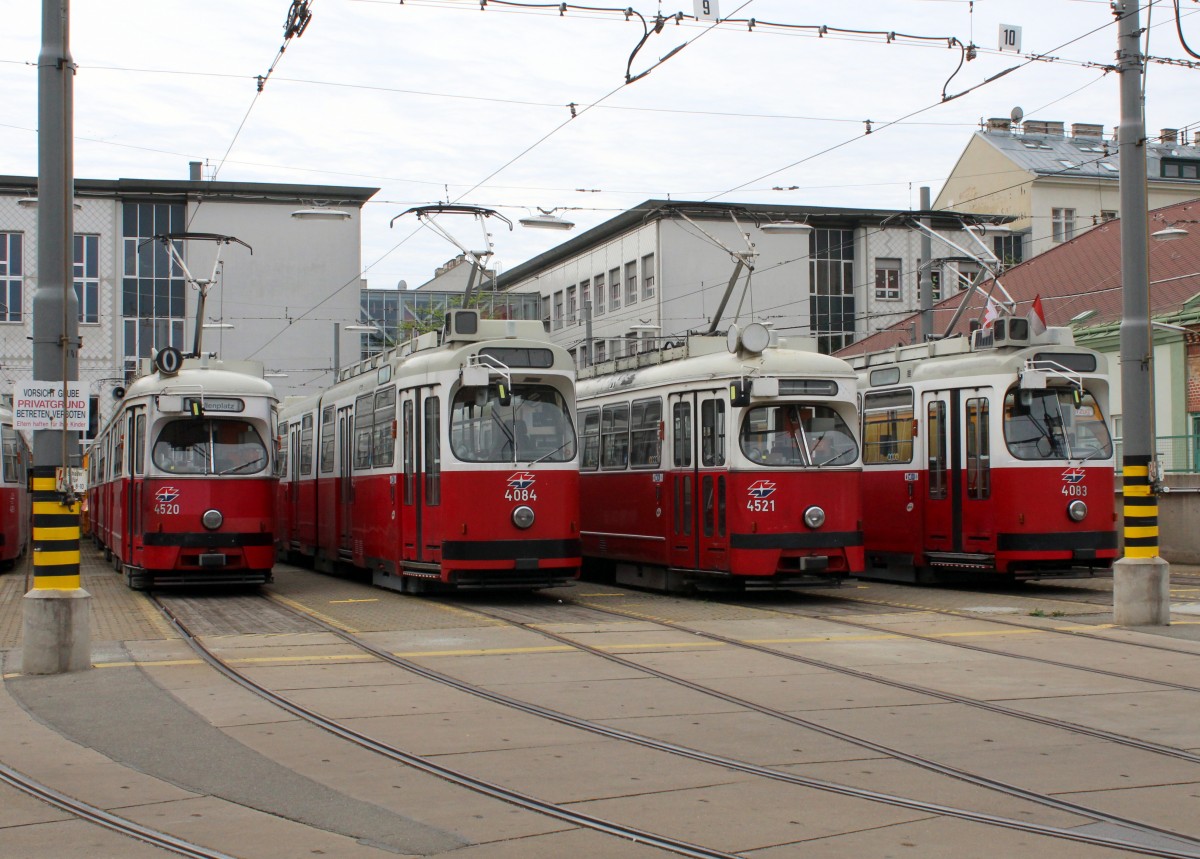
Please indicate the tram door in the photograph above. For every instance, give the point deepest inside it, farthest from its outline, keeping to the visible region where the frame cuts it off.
(958, 508)
(293, 490)
(421, 475)
(698, 536)
(135, 447)
(344, 492)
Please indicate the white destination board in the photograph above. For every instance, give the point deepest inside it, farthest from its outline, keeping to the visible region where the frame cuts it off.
(39, 406)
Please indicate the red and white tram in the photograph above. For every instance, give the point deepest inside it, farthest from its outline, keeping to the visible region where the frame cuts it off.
(181, 484)
(710, 470)
(987, 454)
(15, 463)
(450, 460)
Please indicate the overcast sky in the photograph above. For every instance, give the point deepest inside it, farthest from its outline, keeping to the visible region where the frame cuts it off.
(435, 100)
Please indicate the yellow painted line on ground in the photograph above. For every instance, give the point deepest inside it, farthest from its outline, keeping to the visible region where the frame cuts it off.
(303, 609)
(485, 651)
(344, 602)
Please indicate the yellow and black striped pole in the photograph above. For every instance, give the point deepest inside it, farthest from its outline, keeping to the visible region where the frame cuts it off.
(1140, 509)
(55, 534)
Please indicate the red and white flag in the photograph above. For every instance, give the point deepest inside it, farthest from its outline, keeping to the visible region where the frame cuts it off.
(1036, 316)
(991, 313)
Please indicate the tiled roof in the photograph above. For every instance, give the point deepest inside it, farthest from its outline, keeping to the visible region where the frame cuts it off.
(1080, 275)
(1085, 157)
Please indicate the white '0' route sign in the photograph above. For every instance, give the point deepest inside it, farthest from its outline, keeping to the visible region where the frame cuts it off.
(39, 406)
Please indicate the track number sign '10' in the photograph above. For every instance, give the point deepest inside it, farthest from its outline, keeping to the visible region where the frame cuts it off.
(1010, 38)
(707, 9)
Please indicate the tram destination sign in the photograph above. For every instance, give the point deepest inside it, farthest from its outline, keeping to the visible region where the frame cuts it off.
(39, 406)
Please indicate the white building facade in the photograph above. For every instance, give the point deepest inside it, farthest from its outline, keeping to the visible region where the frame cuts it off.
(134, 300)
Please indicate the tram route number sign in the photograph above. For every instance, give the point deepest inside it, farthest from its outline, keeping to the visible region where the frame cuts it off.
(39, 406)
(706, 10)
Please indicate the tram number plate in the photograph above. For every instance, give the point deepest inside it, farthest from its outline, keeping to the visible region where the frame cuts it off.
(761, 505)
(520, 495)
(166, 509)
(1074, 490)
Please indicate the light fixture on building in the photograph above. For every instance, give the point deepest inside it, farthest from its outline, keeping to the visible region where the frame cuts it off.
(208, 326)
(321, 211)
(31, 203)
(275, 375)
(779, 227)
(547, 220)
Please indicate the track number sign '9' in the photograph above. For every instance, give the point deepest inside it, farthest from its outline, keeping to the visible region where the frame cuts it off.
(707, 9)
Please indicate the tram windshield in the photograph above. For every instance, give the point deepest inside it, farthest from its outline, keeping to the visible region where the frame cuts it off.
(534, 427)
(210, 446)
(797, 435)
(1048, 424)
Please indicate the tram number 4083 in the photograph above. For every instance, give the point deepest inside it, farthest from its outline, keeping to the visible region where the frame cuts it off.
(520, 495)
(1074, 490)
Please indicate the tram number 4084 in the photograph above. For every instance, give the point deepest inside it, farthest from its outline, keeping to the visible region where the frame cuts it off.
(520, 495)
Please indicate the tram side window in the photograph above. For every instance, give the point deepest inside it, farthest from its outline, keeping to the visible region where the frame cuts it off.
(937, 450)
(409, 451)
(433, 451)
(327, 424)
(8, 440)
(614, 437)
(646, 419)
(979, 460)
(118, 456)
(306, 444)
(887, 427)
(281, 463)
(383, 440)
(712, 432)
(590, 420)
(139, 444)
(364, 416)
(681, 435)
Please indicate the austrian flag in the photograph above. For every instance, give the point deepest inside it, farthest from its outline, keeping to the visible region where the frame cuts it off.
(1037, 316)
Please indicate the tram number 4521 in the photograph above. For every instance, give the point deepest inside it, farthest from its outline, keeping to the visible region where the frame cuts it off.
(520, 495)
(1074, 490)
(761, 505)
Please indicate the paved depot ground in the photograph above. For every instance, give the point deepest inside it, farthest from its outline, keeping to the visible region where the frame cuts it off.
(155, 735)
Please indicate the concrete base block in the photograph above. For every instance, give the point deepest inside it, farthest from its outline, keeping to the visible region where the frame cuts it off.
(57, 631)
(1141, 592)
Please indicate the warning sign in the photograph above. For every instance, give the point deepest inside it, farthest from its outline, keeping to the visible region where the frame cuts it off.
(39, 406)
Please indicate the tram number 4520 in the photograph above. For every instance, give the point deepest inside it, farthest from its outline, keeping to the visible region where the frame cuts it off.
(1074, 490)
(520, 495)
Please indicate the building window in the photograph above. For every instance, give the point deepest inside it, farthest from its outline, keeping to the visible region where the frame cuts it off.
(153, 294)
(1008, 249)
(546, 312)
(1062, 225)
(935, 277)
(598, 292)
(831, 301)
(631, 343)
(87, 277)
(558, 310)
(887, 279)
(1108, 215)
(648, 276)
(571, 304)
(601, 348)
(631, 290)
(966, 274)
(12, 294)
(1175, 169)
(614, 289)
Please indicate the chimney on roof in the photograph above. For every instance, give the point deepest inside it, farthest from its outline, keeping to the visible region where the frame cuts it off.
(194, 170)
(1168, 135)
(1196, 140)
(1055, 129)
(1003, 124)
(1087, 129)
(1048, 127)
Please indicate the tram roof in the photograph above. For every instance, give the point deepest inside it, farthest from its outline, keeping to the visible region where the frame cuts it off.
(213, 377)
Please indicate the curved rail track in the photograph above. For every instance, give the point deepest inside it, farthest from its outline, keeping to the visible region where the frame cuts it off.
(1184, 842)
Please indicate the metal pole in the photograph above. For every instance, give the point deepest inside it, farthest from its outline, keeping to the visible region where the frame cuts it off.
(1140, 578)
(926, 275)
(337, 351)
(56, 623)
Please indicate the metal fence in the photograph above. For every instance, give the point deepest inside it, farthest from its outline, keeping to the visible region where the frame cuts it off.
(1178, 454)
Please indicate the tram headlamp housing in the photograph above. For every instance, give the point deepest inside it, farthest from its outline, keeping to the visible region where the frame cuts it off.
(212, 519)
(523, 516)
(814, 517)
(1077, 510)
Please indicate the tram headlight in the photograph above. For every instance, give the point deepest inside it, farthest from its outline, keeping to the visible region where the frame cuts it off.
(1077, 510)
(523, 517)
(814, 517)
(212, 519)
